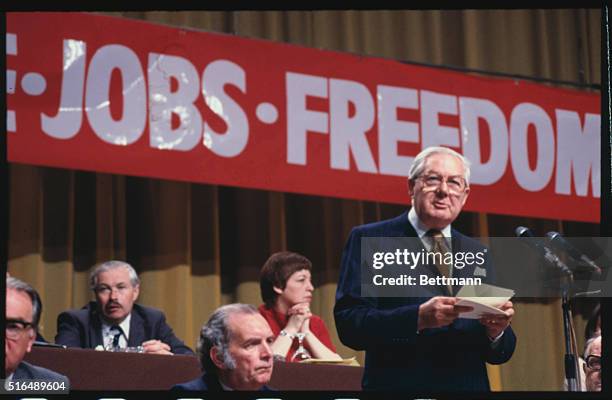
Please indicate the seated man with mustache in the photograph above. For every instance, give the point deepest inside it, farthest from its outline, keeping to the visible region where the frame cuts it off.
(113, 321)
(235, 349)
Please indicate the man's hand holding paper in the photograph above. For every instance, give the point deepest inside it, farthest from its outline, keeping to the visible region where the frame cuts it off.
(490, 304)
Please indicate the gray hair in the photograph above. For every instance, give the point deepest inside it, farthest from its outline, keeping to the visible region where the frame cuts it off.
(216, 333)
(418, 165)
(21, 286)
(587, 346)
(112, 264)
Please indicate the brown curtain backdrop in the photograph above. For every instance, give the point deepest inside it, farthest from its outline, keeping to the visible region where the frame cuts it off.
(197, 247)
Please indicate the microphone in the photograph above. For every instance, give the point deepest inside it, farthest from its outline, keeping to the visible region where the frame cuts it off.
(537, 244)
(561, 244)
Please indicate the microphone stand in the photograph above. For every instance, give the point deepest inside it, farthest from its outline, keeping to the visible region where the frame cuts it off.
(571, 360)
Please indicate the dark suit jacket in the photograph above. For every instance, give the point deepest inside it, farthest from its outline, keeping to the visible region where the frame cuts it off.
(207, 382)
(450, 358)
(40, 338)
(82, 328)
(28, 371)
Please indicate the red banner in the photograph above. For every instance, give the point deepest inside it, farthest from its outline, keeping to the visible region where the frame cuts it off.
(114, 95)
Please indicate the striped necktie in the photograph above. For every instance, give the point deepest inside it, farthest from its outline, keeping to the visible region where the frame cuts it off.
(440, 246)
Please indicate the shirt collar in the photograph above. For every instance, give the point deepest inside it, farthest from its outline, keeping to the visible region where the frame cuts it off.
(421, 229)
(125, 326)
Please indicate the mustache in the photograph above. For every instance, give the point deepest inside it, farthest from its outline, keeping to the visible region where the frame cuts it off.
(113, 303)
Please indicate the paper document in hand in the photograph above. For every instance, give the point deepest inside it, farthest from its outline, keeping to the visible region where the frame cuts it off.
(345, 361)
(484, 299)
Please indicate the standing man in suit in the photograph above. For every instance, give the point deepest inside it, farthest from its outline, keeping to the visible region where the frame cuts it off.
(235, 349)
(114, 320)
(23, 310)
(421, 343)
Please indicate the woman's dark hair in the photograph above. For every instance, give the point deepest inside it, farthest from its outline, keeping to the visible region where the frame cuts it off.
(277, 270)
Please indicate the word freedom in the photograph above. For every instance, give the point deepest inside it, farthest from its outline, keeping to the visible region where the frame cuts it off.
(411, 259)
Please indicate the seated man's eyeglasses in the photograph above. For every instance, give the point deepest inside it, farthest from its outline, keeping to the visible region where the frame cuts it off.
(456, 184)
(15, 327)
(104, 289)
(593, 362)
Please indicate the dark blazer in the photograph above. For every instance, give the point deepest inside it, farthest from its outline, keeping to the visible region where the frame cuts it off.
(209, 382)
(82, 328)
(28, 371)
(450, 358)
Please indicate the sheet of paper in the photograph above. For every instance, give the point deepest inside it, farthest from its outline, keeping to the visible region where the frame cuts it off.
(346, 361)
(479, 309)
(484, 299)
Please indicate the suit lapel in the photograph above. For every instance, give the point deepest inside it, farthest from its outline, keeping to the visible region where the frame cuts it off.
(22, 371)
(459, 245)
(137, 329)
(211, 383)
(95, 327)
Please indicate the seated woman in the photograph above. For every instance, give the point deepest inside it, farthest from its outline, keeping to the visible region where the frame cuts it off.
(287, 292)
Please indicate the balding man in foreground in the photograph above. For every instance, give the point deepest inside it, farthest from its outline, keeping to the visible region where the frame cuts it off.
(235, 351)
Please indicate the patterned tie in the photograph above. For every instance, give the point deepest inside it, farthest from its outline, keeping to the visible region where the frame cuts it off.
(117, 331)
(439, 246)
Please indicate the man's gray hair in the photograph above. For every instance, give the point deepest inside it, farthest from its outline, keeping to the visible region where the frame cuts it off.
(107, 266)
(588, 345)
(418, 165)
(21, 286)
(216, 333)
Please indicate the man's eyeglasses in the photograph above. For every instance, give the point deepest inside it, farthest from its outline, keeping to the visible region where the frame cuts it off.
(593, 362)
(105, 289)
(456, 184)
(15, 327)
